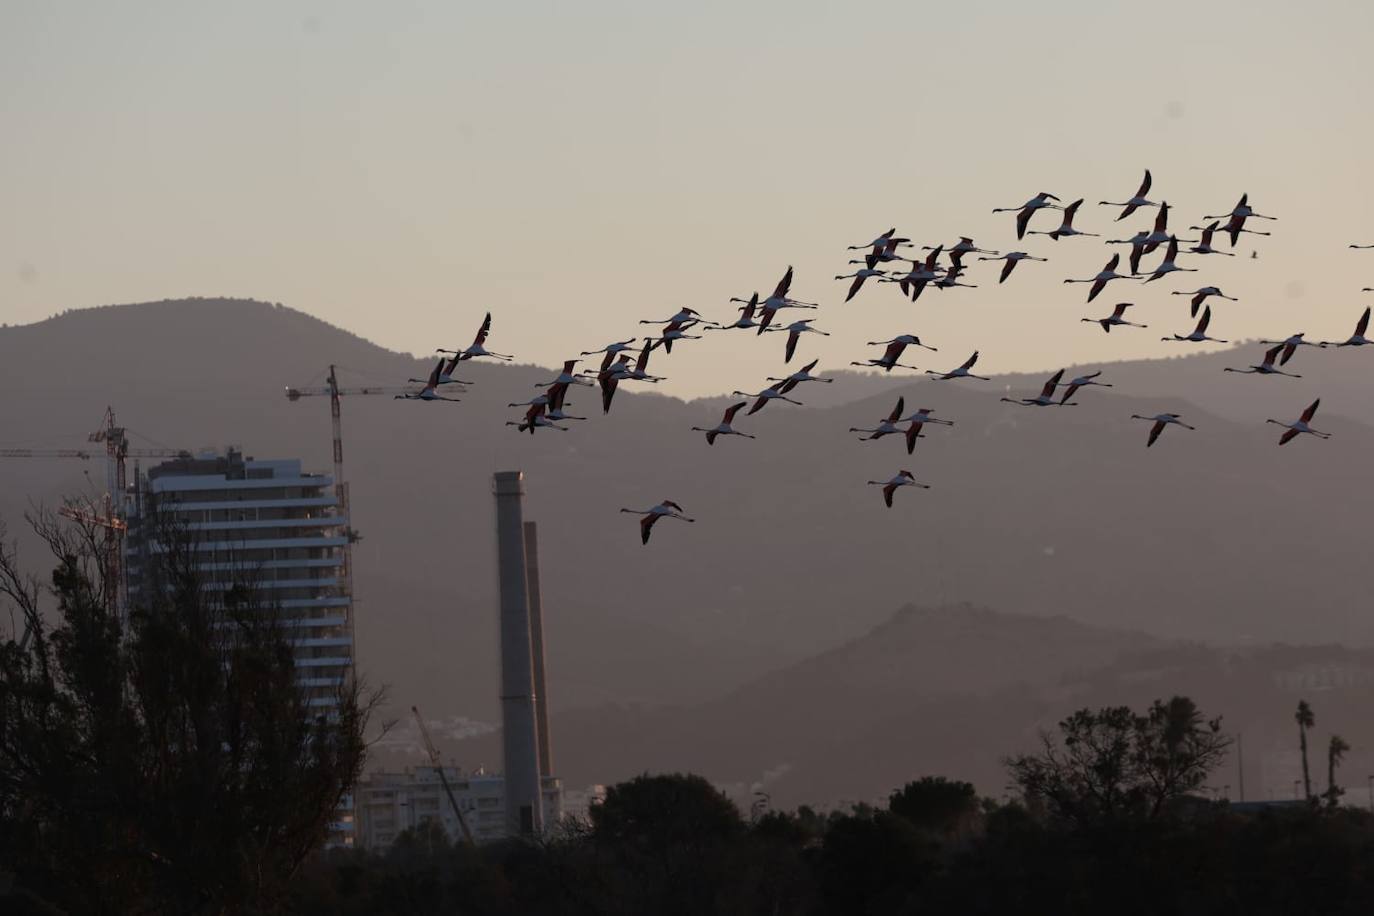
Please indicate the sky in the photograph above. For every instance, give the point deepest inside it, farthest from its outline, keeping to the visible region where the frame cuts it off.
(398, 169)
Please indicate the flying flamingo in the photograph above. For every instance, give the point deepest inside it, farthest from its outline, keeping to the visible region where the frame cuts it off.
(611, 350)
(1299, 426)
(537, 401)
(794, 332)
(882, 241)
(1160, 421)
(609, 378)
(895, 347)
(428, 393)
(779, 300)
(1104, 276)
(960, 372)
(1235, 220)
(887, 427)
(1083, 381)
(535, 419)
(903, 479)
(557, 394)
(685, 317)
(638, 372)
(746, 318)
(723, 428)
(918, 420)
(1205, 246)
(951, 279)
(1358, 339)
(915, 280)
(1160, 234)
(677, 330)
(446, 374)
(565, 377)
(1290, 346)
(801, 375)
(959, 249)
(1012, 258)
(477, 349)
(1200, 296)
(1200, 332)
(1046, 396)
(1167, 266)
(1026, 210)
(1137, 243)
(881, 255)
(1266, 367)
(771, 393)
(665, 509)
(1115, 318)
(1066, 228)
(859, 276)
(1137, 199)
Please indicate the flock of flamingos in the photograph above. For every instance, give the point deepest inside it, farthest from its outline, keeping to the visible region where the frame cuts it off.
(628, 360)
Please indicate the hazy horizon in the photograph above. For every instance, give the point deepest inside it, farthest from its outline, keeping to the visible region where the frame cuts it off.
(399, 171)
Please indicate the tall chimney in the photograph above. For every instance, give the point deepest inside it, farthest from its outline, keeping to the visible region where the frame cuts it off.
(541, 699)
(520, 736)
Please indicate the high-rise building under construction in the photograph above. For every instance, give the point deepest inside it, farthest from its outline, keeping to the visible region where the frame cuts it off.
(281, 527)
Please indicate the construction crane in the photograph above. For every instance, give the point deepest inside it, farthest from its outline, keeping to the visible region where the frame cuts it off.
(334, 392)
(439, 768)
(115, 500)
(116, 590)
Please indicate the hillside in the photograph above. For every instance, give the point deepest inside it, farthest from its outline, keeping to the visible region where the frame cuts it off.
(953, 690)
(1059, 512)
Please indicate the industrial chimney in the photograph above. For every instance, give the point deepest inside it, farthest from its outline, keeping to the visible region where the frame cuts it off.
(541, 698)
(520, 733)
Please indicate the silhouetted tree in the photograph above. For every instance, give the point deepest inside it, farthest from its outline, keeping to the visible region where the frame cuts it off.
(874, 861)
(1305, 721)
(1335, 753)
(670, 836)
(167, 763)
(935, 803)
(1113, 764)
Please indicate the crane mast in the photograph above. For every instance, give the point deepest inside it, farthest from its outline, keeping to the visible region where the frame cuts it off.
(443, 780)
(332, 391)
(114, 502)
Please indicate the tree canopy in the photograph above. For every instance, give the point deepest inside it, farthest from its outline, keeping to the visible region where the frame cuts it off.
(166, 762)
(1113, 763)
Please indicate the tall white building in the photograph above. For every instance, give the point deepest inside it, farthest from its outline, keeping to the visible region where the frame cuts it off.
(388, 803)
(279, 525)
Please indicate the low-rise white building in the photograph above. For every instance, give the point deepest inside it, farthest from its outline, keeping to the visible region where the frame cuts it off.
(388, 803)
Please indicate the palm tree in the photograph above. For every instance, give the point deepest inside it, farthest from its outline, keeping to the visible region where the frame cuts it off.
(1305, 721)
(1335, 752)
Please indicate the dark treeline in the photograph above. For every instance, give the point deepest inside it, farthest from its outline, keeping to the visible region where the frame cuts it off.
(1113, 817)
(673, 845)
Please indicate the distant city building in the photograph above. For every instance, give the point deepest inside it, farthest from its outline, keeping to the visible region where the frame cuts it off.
(578, 803)
(389, 803)
(278, 525)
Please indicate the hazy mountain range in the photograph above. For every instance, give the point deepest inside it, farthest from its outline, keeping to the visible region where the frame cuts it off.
(1217, 534)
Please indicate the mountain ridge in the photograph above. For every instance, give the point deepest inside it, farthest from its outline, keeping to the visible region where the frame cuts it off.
(1041, 512)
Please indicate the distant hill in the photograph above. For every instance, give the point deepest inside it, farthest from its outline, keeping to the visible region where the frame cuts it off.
(952, 691)
(1214, 534)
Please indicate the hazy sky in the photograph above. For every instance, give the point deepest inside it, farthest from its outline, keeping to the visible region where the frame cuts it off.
(399, 168)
